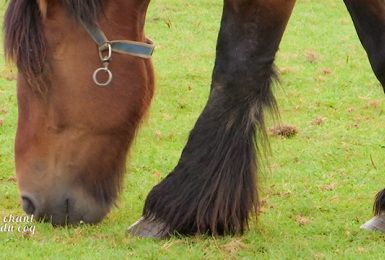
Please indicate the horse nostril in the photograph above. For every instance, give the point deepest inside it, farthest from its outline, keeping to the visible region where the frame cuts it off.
(28, 205)
(67, 206)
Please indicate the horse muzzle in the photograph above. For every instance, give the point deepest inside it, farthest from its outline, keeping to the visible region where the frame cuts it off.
(64, 209)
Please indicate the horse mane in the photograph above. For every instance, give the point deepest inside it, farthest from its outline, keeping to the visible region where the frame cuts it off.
(24, 41)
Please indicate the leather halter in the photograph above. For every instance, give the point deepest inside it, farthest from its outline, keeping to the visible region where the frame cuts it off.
(106, 47)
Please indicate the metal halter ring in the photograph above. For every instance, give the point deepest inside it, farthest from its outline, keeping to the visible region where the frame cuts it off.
(106, 47)
(97, 72)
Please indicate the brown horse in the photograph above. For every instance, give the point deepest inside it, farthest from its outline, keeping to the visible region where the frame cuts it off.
(73, 137)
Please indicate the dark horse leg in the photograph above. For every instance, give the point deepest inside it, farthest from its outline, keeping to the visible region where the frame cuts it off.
(369, 20)
(213, 188)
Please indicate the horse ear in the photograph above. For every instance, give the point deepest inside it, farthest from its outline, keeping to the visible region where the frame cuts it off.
(43, 7)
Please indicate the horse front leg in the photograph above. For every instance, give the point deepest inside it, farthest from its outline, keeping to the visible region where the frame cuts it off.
(213, 188)
(369, 20)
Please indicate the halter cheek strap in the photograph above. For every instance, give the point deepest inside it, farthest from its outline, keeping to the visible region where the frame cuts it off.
(106, 47)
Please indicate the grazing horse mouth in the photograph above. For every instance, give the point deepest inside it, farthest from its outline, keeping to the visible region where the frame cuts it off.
(30, 207)
(68, 211)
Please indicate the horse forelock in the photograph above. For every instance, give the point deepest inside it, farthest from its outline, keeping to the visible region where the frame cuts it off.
(24, 41)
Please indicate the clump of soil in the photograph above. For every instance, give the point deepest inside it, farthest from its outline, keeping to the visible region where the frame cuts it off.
(318, 121)
(312, 56)
(286, 131)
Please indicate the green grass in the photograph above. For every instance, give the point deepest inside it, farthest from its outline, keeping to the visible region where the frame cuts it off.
(322, 181)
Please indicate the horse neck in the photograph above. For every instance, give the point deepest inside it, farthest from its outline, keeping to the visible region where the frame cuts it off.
(128, 15)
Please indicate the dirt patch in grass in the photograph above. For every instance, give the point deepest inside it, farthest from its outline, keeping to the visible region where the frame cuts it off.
(285, 131)
(328, 187)
(12, 179)
(285, 70)
(375, 103)
(318, 121)
(312, 56)
(8, 74)
(233, 247)
(302, 220)
(326, 71)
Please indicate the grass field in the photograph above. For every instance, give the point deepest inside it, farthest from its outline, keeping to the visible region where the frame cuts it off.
(322, 181)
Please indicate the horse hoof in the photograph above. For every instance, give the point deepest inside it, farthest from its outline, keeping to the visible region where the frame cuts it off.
(377, 223)
(148, 229)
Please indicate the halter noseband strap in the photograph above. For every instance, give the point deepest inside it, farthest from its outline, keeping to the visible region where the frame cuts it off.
(106, 47)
